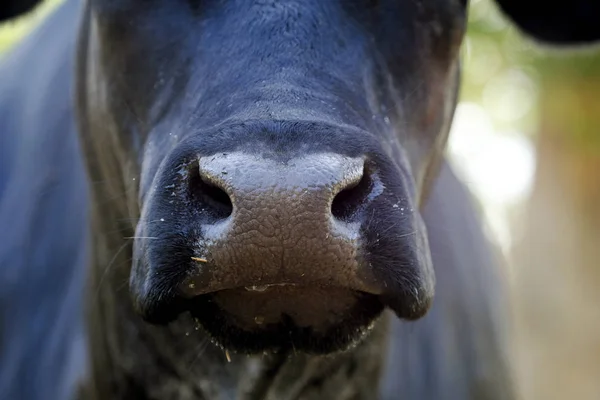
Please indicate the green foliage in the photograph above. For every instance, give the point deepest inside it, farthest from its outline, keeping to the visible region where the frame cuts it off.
(498, 68)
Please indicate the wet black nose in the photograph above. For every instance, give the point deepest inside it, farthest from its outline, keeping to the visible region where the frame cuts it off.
(280, 222)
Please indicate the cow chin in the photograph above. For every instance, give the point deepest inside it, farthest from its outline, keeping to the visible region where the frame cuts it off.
(286, 318)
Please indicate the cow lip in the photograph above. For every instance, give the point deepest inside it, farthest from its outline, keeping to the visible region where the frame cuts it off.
(190, 289)
(209, 278)
(284, 316)
(264, 288)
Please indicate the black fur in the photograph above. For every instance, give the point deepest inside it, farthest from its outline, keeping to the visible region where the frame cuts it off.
(43, 207)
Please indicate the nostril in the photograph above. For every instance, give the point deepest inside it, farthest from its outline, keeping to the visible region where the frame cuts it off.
(350, 200)
(210, 198)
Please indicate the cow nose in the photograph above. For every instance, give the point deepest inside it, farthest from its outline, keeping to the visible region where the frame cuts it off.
(330, 185)
(274, 221)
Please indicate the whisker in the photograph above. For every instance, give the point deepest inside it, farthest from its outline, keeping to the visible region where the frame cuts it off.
(370, 220)
(406, 234)
(108, 266)
(200, 349)
(125, 281)
(390, 227)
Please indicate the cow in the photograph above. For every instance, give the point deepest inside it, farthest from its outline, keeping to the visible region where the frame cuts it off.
(247, 199)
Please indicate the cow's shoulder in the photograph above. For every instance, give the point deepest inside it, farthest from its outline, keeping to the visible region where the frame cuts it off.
(43, 215)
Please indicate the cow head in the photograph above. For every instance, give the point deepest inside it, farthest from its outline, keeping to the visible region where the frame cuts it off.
(282, 150)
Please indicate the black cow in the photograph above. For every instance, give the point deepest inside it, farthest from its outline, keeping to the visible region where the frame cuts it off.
(266, 200)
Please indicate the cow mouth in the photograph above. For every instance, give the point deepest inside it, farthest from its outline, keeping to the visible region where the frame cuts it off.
(309, 318)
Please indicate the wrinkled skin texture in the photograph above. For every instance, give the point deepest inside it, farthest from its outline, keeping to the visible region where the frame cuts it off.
(291, 147)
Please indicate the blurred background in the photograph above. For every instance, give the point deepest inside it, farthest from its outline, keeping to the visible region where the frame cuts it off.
(526, 140)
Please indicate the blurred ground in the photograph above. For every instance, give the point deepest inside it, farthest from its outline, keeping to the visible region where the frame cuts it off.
(526, 139)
